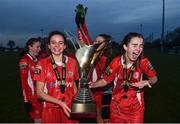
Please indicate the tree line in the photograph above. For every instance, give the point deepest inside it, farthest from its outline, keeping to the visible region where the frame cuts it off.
(171, 39)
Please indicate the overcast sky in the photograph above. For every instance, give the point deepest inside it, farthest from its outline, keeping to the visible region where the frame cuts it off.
(22, 19)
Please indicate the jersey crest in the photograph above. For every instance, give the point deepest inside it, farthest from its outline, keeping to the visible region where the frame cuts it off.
(37, 70)
(136, 75)
(70, 74)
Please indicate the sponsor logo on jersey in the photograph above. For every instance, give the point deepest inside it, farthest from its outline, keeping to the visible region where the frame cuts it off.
(23, 66)
(68, 84)
(52, 85)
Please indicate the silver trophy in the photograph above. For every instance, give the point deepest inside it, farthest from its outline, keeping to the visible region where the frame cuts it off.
(83, 105)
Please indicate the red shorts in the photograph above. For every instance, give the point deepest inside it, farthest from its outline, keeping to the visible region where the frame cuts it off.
(98, 99)
(55, 115)
(133, 113)
(36, 109)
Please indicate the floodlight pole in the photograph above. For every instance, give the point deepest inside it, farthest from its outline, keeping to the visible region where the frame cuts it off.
(42, 35)
(141, 25)
(162, 33)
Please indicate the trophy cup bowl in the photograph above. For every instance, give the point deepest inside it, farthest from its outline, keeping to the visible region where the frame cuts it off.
(83, 105)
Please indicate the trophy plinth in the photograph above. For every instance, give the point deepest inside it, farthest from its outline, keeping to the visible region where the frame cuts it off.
(83, 105)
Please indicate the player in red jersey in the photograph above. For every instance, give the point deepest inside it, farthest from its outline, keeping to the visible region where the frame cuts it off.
(27, 64)
(97, 69)
(56, 76)
(127, 103)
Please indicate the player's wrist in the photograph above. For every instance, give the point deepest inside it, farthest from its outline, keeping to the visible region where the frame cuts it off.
(148, 83)
(60, 102)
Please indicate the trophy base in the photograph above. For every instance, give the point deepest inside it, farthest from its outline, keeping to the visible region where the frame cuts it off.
(83, 110)
(82, 115)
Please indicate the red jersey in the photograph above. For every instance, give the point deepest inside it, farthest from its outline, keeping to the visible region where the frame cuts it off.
(97, 74)
(46, 75)
(135, 97)
(98, 70)
(27, 66)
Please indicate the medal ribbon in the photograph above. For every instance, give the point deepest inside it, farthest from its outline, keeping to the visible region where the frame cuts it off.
(127, 78)
(63, 81)
(35, 59)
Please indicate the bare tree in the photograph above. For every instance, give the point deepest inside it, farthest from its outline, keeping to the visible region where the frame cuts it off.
(11, 44)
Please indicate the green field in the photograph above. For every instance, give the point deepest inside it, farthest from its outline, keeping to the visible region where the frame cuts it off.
(162, 101)
(12, 109)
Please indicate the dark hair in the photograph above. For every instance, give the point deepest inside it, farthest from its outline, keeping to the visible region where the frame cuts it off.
(30, 42)
(128, 38)
(106, 37)
(56, 33)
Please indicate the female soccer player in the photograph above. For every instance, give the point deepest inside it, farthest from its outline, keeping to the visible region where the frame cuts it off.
(127, 104)
(27, 64)
(56, 76)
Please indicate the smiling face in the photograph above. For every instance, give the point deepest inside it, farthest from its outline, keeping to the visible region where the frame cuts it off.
(133, 49)
(57, 44)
